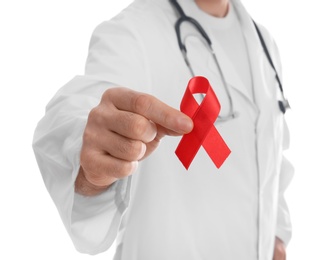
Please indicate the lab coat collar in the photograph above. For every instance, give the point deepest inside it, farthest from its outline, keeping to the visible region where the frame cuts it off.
(263, 99)
(231, 76)
(264, 95)
(255, 53)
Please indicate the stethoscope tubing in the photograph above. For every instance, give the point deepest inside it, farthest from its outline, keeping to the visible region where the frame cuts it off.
(283, 104)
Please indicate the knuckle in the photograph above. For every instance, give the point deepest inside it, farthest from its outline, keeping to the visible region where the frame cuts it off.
(131, 149)
(120, 169)
(101, 175)
(91, 138)
(139, 127)
(100, 114)
(136, 127)
(106, 95)
(164, 118)
(95, 115)
(142, 103)
(88, 136)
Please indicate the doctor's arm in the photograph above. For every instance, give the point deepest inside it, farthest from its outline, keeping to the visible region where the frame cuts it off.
(284, 227)
(116, 58)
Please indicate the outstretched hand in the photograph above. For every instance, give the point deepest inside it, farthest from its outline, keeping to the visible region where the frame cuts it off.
(124, 128)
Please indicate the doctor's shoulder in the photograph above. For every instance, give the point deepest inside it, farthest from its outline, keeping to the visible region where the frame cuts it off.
(135, 16)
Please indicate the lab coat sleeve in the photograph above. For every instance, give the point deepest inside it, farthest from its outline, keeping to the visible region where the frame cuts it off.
(284, 227)
(115, 58)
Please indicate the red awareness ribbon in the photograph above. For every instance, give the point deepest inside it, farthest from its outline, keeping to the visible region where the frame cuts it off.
(204, 132)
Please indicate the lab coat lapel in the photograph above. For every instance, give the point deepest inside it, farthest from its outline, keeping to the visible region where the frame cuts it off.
(261, 71)
(268, 125)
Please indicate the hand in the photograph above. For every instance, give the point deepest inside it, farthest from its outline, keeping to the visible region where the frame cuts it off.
(279, 250)
(124, 128)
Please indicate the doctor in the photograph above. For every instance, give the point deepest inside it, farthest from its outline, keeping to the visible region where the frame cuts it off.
(105, 146)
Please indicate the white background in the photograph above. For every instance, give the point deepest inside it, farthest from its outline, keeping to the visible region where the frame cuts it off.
(43, 44)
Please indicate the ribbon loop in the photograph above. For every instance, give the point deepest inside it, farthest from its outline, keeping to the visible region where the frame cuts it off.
(204, 132)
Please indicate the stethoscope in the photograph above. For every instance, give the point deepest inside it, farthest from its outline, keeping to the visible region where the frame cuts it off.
(283, 104)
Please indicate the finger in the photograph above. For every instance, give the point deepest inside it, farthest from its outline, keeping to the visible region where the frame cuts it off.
(151, 146)
(102, 169)
(121, 147)
(151, 108)
(132, 126)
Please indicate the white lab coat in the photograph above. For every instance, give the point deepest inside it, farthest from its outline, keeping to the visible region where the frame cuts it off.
(163, 211)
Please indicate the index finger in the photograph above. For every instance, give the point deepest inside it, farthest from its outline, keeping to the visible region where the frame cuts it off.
(151, 108)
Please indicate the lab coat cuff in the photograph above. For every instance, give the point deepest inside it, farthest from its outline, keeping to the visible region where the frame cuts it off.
(95, 221)
(284, 235)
